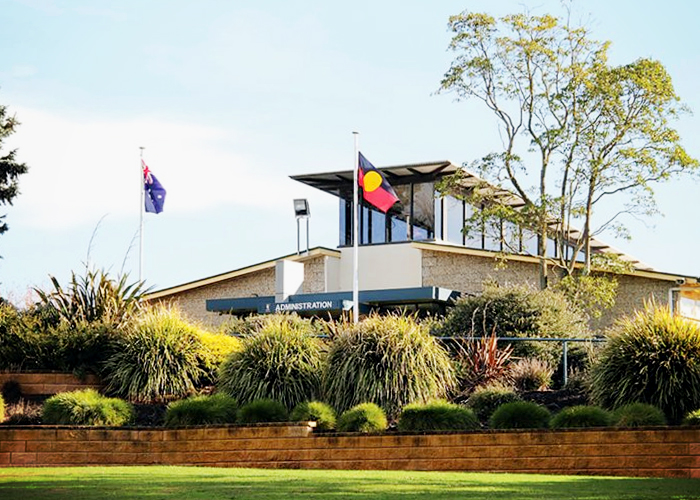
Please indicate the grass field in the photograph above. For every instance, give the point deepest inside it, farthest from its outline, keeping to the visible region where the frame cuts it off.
(78, 483)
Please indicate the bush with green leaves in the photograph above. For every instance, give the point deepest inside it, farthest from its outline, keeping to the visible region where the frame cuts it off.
(262, 410)
(158, 359)
(365, 417)
(22, 346)
(486, 398)
(317, 411)
(2, 408)
(389, 360)
(86, 407)
(94, 297)
(202, 410)
(531, 374)
(481, 362)
(651, 357)
(638, 415)
(283, 361)
(692, 418)
(437, 416)
(518, 311)
(581, 416)
(520, 415)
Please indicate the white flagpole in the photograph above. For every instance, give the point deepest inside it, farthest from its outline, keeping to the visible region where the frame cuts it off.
(141, 209)
(355, 237)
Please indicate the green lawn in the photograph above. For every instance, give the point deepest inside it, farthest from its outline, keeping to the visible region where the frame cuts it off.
(77, 483)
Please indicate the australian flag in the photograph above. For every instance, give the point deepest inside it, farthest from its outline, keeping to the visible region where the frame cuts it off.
(155, 192)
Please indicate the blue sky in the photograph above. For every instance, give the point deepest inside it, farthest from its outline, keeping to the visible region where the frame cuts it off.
(229, 98)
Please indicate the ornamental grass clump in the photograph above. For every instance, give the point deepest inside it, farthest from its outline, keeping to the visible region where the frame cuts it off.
(86, 407)
(485, 399)
(158, 359)
(638, 415)
(365, 417)
(581, 416)
(652, 357)
(262, 410)
(283, 361)
(202, 410)
(520, 415)
(2, 408)
(316, 411)
(692, 418)
(437, 416)
(389, 360)
(531, 374)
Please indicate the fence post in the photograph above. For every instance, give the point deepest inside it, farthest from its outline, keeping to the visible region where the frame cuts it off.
(565, 353)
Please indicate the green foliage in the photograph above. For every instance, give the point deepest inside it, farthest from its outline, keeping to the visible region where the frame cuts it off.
(202, 410)
(531, 374)
(22, 347)
(581, 416)
(593, 294)
(480, 362)
(86, 407)
(638, 415)
(517, 311)
(651, 357)
(485, 399)
(365, 417)
(2, 408)
(94, 297)
(437, 416)
(389, 360)
(213, 350)
(10, 168)
(158, 359)
(283, 361)
(692, 418)
(262, 410)
(317, 411)
(520, 415)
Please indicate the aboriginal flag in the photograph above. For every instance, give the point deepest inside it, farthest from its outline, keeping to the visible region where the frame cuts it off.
(155, 192)
(375, 188)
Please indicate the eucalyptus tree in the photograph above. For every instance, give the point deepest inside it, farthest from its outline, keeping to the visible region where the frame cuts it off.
(575, 131)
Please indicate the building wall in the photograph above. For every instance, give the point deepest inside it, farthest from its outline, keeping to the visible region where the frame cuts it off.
(468, 273)
(382, 267)
(193, 302)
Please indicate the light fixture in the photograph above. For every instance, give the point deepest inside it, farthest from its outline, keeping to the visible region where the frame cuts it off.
(302, 211)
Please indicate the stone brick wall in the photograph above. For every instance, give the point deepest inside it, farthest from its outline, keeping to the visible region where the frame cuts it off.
(663, 452)
(468, 273)
(33, 384)
(315, 275)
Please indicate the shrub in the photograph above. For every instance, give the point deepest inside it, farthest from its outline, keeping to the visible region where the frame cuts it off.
(262, 410)
(651, 357)
(517, 311)
(365, 417)
(692, 418)
(23, 413)
(480, 362)
(2, 408)
(437, 416)
(11, 391)
(86, 407)
(282, 361)
(520, 415)
(202, 410)
(638, 415)
(213, 351)
(21, 345)
(531, 374)
(390, 360)
(581, 416)
(485, 399)
(158, 359)
(319, 412)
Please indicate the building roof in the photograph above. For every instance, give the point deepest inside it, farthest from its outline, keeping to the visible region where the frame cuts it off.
(333, 182)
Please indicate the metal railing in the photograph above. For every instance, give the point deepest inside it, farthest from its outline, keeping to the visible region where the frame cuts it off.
(564, 342)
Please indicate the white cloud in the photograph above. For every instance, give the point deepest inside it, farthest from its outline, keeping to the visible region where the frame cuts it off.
(81, 169)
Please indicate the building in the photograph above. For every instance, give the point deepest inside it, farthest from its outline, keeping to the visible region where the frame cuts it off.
(416, 257)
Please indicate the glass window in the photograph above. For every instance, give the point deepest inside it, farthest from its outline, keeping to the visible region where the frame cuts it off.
(454, 215)
(423, 211)
(378, 222)
(529, 246)
(345, 222)
(473, 238)
(438, 218)
(399, 228)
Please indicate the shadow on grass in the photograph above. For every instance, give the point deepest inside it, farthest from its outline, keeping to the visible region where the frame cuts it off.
(240, 484)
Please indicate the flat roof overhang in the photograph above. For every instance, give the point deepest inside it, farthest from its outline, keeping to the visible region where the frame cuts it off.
(334, 301)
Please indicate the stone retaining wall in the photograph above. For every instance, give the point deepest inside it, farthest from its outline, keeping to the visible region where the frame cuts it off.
(659, 452)
(42, 384)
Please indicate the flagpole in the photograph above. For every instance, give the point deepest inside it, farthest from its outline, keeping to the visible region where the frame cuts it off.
(141, 208)
(355, 237)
